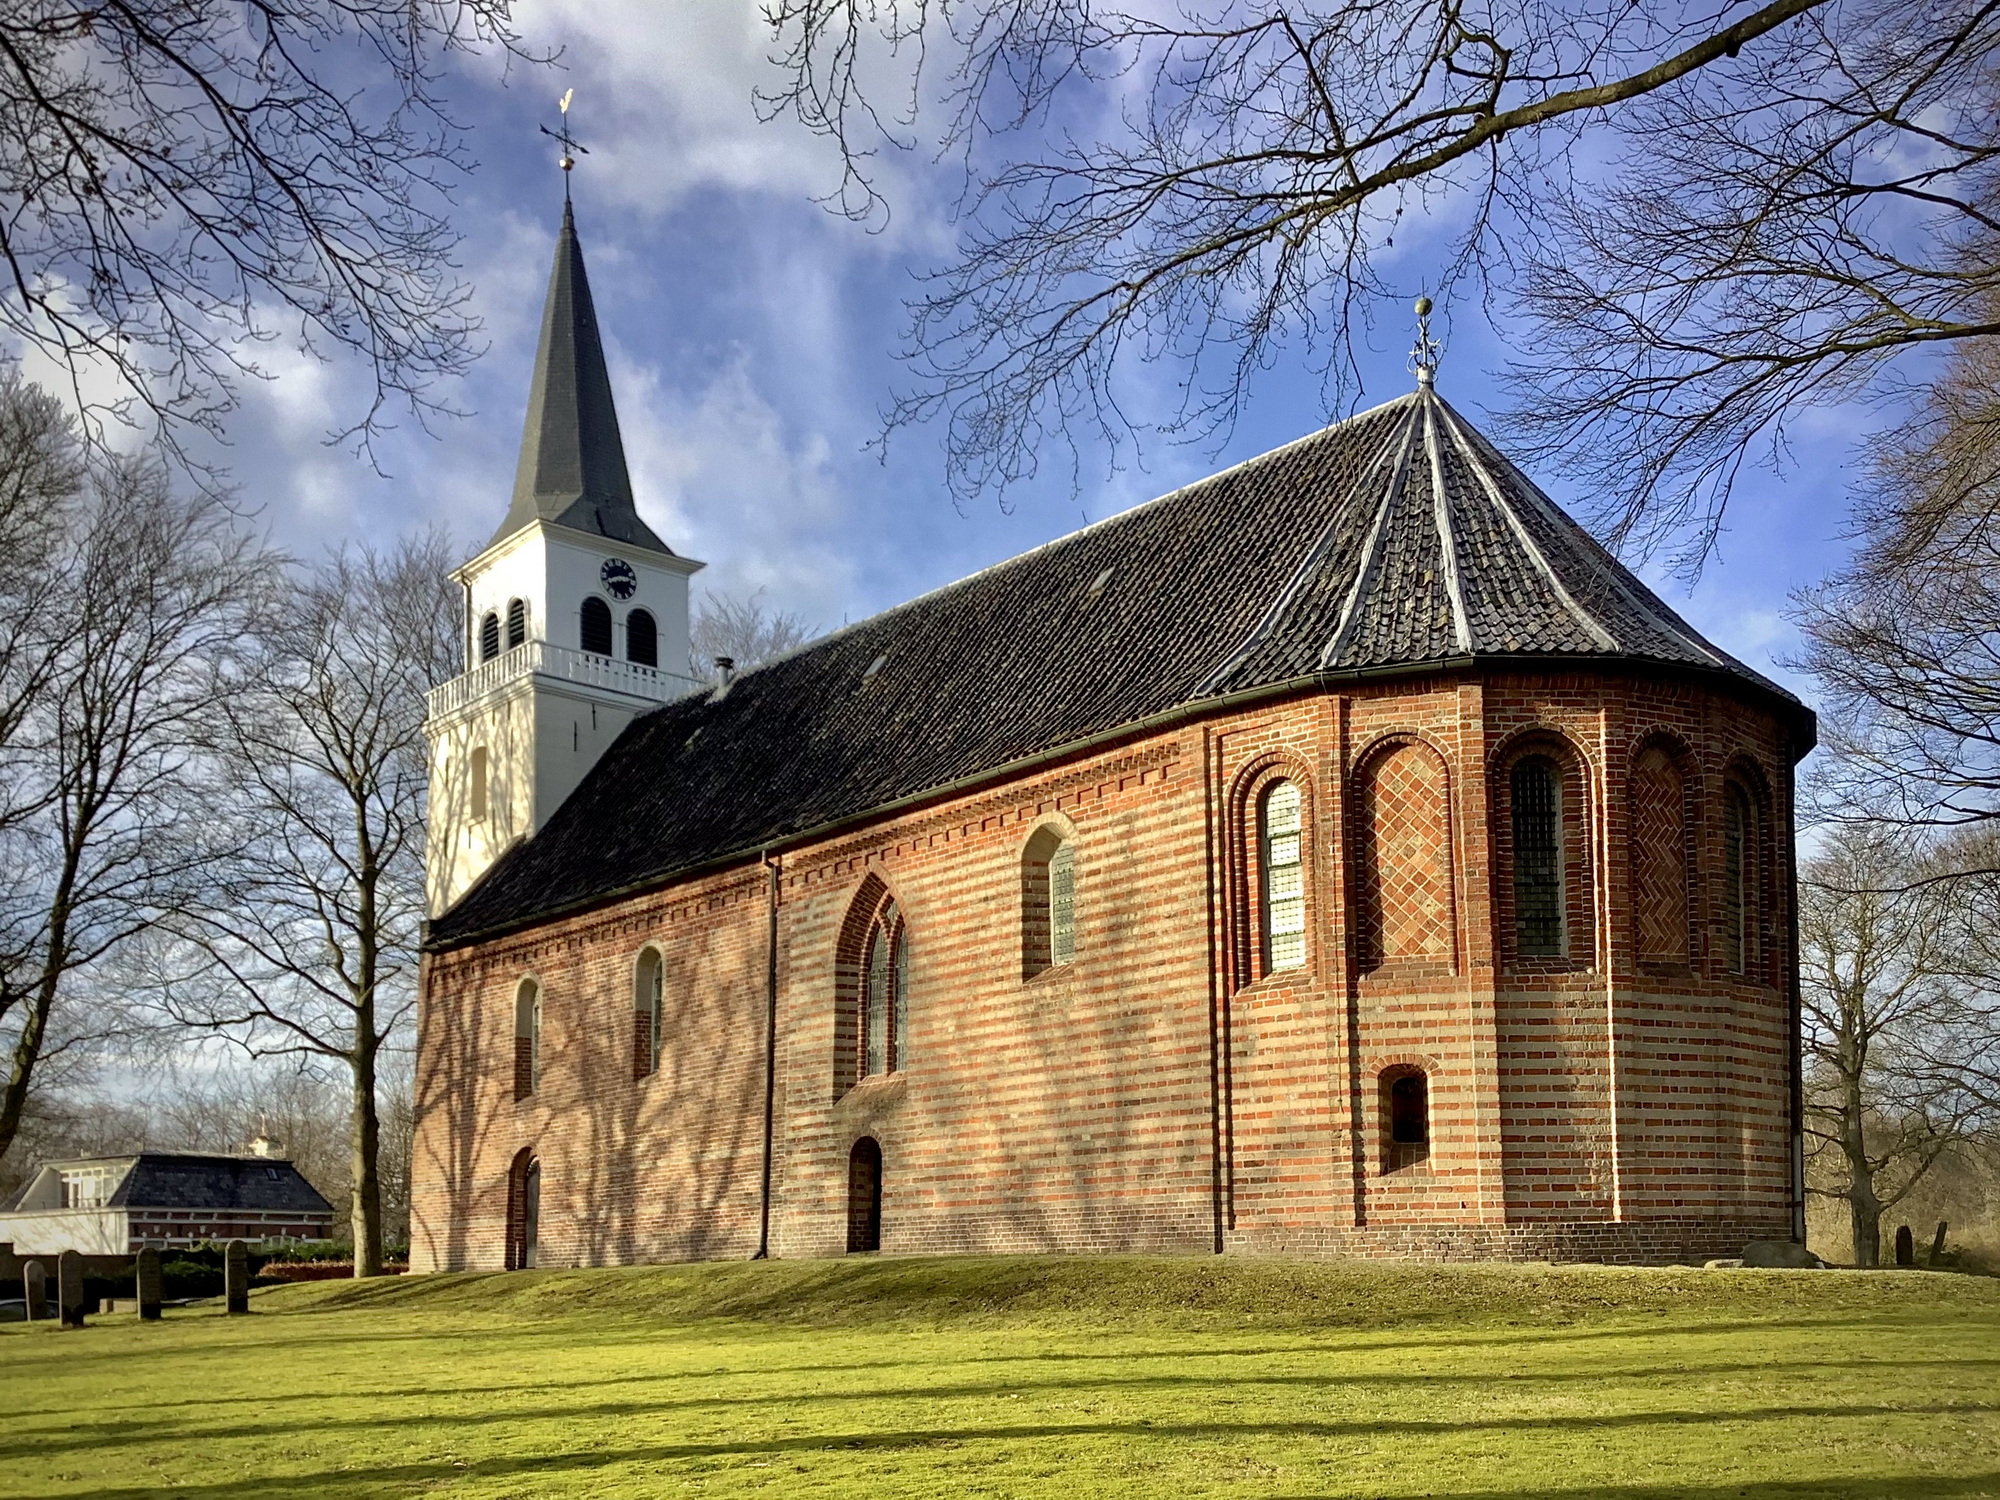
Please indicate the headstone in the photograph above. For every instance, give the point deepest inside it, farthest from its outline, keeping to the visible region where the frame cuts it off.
(69, 1288)
(148, 1277)
(35, 1289)
(1937, 1245)
(1778, 1255)
(1906, 1246)
(236, 1277)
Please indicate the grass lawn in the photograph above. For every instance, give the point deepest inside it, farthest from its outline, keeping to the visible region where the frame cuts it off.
(1068, 1378)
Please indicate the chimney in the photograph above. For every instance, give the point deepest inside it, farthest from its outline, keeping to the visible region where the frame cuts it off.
(725, 669)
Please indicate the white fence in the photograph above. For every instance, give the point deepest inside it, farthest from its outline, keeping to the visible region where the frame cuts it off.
(586, 667)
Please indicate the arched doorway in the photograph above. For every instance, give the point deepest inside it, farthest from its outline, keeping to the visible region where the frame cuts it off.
(524, 1209)
(864, 1196)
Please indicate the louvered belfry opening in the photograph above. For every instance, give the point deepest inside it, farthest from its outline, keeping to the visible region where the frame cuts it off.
(864, 1196)
(594, 627)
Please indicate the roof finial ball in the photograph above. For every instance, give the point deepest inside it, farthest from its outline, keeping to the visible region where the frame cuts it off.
(1428, 351)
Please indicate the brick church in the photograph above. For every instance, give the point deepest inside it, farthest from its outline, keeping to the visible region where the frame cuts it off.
(1342, 855)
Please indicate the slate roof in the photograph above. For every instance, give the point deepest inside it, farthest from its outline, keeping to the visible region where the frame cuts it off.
(158, 1179)
(1393, 541)
(572, 469)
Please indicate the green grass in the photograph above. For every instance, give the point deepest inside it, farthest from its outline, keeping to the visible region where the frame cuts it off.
(1069, 1378)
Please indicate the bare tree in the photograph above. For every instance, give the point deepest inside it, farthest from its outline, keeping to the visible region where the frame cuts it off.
(304, 942)
(186, 180)
(1718, 215)
(742, 630)
(1905, 640)
(1902, 1051)
(133, 606)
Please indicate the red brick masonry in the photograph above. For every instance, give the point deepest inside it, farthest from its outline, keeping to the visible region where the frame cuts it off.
(1626, 1099)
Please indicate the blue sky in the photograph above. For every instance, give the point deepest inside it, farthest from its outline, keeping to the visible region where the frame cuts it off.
(753, 334)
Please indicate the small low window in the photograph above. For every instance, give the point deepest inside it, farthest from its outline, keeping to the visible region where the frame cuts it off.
(517, 622)
(596, 627)
(489, 636)
(642, 639)
(1407, 1105)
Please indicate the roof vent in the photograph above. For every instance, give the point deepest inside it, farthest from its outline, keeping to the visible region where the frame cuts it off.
(725, 669)
(874, 670)
(1097, 586)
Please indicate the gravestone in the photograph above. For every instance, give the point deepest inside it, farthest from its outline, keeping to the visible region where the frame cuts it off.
(1937, 1244)
(69, 1288)
(236, 1277)
(1906, 1246)
(35, 1289)
(148, 1275)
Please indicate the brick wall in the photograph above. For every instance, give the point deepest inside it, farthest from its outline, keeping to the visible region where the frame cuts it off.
(1163, 1091)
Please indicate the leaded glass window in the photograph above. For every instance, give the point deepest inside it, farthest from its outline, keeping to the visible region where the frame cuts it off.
(1538, 873)
(1062, 904)
(886, 996)
(1284, 872)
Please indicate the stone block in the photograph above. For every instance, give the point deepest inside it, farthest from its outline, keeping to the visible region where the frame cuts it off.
(35, 1289)
(236, 1277)
(147, 1277)
(69, 1288)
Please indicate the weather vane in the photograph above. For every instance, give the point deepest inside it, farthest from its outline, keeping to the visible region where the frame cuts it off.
(570, 148)
(1425, 356)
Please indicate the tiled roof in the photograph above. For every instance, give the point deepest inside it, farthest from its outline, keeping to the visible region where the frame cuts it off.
(162, 1180)
(1394, 540)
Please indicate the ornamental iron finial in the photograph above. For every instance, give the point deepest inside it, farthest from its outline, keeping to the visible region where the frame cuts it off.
(1428, 352)
(571, 149)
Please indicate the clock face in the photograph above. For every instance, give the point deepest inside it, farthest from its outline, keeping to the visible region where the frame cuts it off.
(620, 581)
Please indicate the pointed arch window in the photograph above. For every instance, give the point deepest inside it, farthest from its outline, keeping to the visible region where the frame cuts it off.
(527, 1039)
(642, 639)
(648, 1004)
(1536, 795)
(885, 997)
(1281, 842)
(595, 627)
(489, 636)
(517, 622)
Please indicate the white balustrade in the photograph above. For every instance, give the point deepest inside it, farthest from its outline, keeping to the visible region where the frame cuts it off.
(532, 657)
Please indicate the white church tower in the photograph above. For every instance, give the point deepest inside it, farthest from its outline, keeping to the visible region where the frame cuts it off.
(576, 614)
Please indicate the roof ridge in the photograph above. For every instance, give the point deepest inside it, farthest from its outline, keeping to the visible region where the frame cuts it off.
(1371, 551)
(1040, 548)
(1461, 623)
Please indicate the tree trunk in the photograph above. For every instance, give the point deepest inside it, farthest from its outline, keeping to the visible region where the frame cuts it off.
(366, 1135)
(1864, 1209)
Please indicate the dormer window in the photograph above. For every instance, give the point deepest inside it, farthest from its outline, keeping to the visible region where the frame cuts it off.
(596, 627)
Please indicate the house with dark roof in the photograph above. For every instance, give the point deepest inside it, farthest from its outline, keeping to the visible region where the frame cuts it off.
(116, 1205)
(1344, 854)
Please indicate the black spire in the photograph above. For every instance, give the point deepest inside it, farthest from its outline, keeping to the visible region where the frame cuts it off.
(572, 469)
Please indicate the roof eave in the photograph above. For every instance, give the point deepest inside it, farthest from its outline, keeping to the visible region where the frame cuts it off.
(1801, 718)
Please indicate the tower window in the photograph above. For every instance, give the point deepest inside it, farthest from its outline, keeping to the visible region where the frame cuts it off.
(517, 622)
(1284, 874)
(642, 639)
(489, 636)
(596, 627)
(1538, 873)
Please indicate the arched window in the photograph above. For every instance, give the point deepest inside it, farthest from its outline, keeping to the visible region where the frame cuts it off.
(1048, 902)
(885, 995)
(1406, 1111)
(479, 788)
(642, 639)
(527, 1039)
(517, 622)
(489, 636)
(648, 995)
(1536, 795)
(1281, 844)
(596, 627)
(524, 1209)
(1738, 886)
(864, 1196)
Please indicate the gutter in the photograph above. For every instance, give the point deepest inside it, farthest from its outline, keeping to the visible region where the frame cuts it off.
(1180, 713)
(773, 871)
